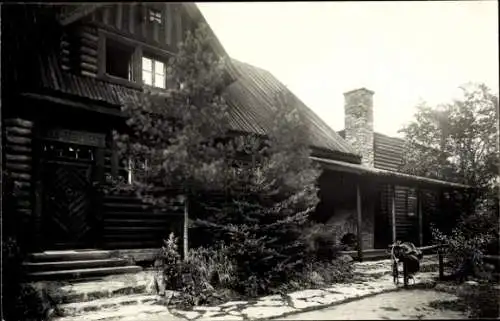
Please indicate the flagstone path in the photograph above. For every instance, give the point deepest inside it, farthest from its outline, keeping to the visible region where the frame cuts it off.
(372, 278)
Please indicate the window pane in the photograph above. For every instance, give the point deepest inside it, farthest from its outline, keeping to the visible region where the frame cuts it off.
(147, 64)
(159, 81)
(159, 67)
(147, 78)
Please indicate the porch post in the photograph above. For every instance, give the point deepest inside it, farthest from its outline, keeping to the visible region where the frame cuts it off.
(393, 212)
(185, 228)
(420, 218)
(114, 157)
(359, 221)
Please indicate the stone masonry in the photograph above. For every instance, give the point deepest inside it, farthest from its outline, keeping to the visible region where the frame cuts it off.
(359, 123)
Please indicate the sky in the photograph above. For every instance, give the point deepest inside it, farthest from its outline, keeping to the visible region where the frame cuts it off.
(406, 52)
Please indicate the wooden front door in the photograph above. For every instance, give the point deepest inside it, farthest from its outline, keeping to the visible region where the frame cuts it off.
(67, 195)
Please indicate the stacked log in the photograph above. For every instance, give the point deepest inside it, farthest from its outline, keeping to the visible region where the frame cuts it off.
(79, 51)
(18, 163)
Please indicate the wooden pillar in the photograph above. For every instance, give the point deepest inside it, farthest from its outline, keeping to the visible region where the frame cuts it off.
(114, 157)
(420, 218)
(393, 212)
(359, 221)
(405, 273)
(185, 228)
(97, 197)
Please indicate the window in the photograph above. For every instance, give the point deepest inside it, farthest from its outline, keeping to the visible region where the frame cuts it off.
(136, 168)
(155, 16)
(119, 59)
(411, 202)
(153, 72)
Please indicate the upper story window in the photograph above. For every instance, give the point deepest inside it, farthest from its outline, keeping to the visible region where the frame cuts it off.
(119, 59)
(155, 16)
(153, 72)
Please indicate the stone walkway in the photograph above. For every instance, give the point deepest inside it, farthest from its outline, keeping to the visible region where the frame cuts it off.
(371, 278)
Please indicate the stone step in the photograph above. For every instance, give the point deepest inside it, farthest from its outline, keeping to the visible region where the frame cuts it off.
(102, 288)
(70, 255)
(82, 273)
(134, 312)
(71, 265)
(76, 308)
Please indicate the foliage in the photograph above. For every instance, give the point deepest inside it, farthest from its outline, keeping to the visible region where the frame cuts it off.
(267, 183)
(264, 213)
(455, 141)
(465, 252)
(321, 242)
(180, 133)
(205, 277)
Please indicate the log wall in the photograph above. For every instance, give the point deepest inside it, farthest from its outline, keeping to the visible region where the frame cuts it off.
(18, 163)
(128, 223)
(79, 50)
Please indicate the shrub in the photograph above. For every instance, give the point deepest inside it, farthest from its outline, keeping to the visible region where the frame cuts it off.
(325, 273)
(465, 251)
(206, 276)
(320, 240)
(214, 264)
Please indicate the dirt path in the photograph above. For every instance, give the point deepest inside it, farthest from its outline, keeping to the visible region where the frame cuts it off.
(411, 304)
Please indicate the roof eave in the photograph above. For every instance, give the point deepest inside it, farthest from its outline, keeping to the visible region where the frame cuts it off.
(391, 175)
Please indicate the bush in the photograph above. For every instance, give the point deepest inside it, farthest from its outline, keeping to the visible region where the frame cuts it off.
(335, 271)
(205, 277)
(320, 240)
(465, 251)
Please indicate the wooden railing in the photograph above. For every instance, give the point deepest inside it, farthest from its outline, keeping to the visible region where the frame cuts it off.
(431, 249)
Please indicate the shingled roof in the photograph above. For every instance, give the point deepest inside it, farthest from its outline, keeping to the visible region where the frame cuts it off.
(251, 98)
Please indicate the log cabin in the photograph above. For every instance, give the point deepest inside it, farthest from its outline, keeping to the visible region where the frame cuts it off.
(66, 69)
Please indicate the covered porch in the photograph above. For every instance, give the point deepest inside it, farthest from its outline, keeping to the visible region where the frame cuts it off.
(381, 207)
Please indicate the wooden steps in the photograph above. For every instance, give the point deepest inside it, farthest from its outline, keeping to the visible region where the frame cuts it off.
(68, 265)
(76, 265)
(70, 255)
(83, 273)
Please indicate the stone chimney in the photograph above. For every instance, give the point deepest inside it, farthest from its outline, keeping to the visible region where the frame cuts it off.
(358, 109)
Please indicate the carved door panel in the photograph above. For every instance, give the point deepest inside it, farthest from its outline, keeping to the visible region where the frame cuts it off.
(67, 202)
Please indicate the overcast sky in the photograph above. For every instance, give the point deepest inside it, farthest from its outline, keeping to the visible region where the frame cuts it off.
(404, 51)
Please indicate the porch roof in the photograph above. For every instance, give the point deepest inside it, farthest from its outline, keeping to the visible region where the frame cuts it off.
(389, 175)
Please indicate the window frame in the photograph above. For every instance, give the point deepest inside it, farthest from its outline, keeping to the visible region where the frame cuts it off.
(154, 59)
(141, 49)
(155, 16)
(132, 62)
(132, 168)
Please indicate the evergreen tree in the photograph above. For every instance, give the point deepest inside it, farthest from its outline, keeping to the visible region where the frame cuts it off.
(265, 186)
(263, 217)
